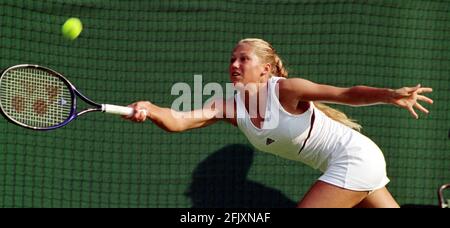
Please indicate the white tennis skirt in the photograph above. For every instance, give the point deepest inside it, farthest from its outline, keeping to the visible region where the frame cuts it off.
(358, 166)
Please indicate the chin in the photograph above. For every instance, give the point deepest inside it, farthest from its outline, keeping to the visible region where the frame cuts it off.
(234, 80)
(238, 85)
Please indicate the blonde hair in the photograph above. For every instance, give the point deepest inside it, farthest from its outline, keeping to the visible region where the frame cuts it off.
(268, 54)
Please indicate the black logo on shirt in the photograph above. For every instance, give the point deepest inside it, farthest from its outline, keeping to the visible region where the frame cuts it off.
(269, 141)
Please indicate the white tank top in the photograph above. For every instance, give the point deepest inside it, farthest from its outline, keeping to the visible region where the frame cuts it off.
(310, 137)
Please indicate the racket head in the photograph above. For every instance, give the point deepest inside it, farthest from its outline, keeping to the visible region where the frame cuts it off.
(36, 97)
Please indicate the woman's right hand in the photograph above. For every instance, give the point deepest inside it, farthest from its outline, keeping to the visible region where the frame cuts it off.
(141, 111)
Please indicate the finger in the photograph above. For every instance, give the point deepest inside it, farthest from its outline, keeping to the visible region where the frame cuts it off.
(421, 108)
(136, 116)
(425, 90)
(142, 115)
(413, 113)
(412, 89)
(139, 119)
(424, 98)
(143, 112)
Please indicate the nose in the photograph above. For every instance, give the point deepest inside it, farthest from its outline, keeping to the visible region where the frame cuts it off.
(234, 64)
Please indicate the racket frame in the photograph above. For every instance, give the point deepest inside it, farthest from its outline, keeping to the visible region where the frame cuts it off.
(74, 93)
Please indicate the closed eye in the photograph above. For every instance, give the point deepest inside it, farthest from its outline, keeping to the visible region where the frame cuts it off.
(244, 58)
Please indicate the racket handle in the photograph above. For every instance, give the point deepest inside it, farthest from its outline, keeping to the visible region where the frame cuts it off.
(118, 110)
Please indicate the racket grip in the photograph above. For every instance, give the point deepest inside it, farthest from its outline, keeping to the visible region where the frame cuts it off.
(118, 110)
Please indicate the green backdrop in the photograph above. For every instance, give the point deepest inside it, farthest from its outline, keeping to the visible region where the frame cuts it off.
(136, 50)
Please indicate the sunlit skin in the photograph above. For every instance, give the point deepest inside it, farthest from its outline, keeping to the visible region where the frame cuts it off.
(245, 67)
(249, 73)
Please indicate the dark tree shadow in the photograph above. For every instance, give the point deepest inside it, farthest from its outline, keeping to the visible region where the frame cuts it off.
(220, 181)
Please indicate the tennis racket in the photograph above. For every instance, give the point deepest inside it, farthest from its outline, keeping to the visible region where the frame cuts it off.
(40, 98)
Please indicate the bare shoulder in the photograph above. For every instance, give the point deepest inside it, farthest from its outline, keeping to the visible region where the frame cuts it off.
(305, 90)
(292, 85)
(289, 96)
(287, 90)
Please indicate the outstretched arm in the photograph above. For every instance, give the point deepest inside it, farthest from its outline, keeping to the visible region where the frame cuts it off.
(175, 121)
(406, 97)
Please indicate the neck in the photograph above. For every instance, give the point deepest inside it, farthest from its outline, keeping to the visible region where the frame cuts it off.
(252, 88)
(255, 99)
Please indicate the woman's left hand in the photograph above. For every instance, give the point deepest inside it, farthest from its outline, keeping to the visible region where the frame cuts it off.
(408, 97)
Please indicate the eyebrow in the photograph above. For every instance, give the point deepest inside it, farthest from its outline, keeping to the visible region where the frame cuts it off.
(240, 54)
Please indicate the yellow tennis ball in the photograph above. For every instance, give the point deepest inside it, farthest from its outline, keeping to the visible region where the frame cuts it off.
(72, 28)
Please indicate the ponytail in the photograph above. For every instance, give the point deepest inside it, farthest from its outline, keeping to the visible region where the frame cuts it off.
(338, 116)
(279, 69)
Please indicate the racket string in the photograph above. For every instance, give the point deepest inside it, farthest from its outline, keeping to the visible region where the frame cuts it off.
(35, 98)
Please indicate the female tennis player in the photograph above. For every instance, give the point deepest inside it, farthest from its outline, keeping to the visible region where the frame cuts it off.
(354, 169)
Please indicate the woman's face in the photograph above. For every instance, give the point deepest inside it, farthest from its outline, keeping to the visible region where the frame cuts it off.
(245, 66)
